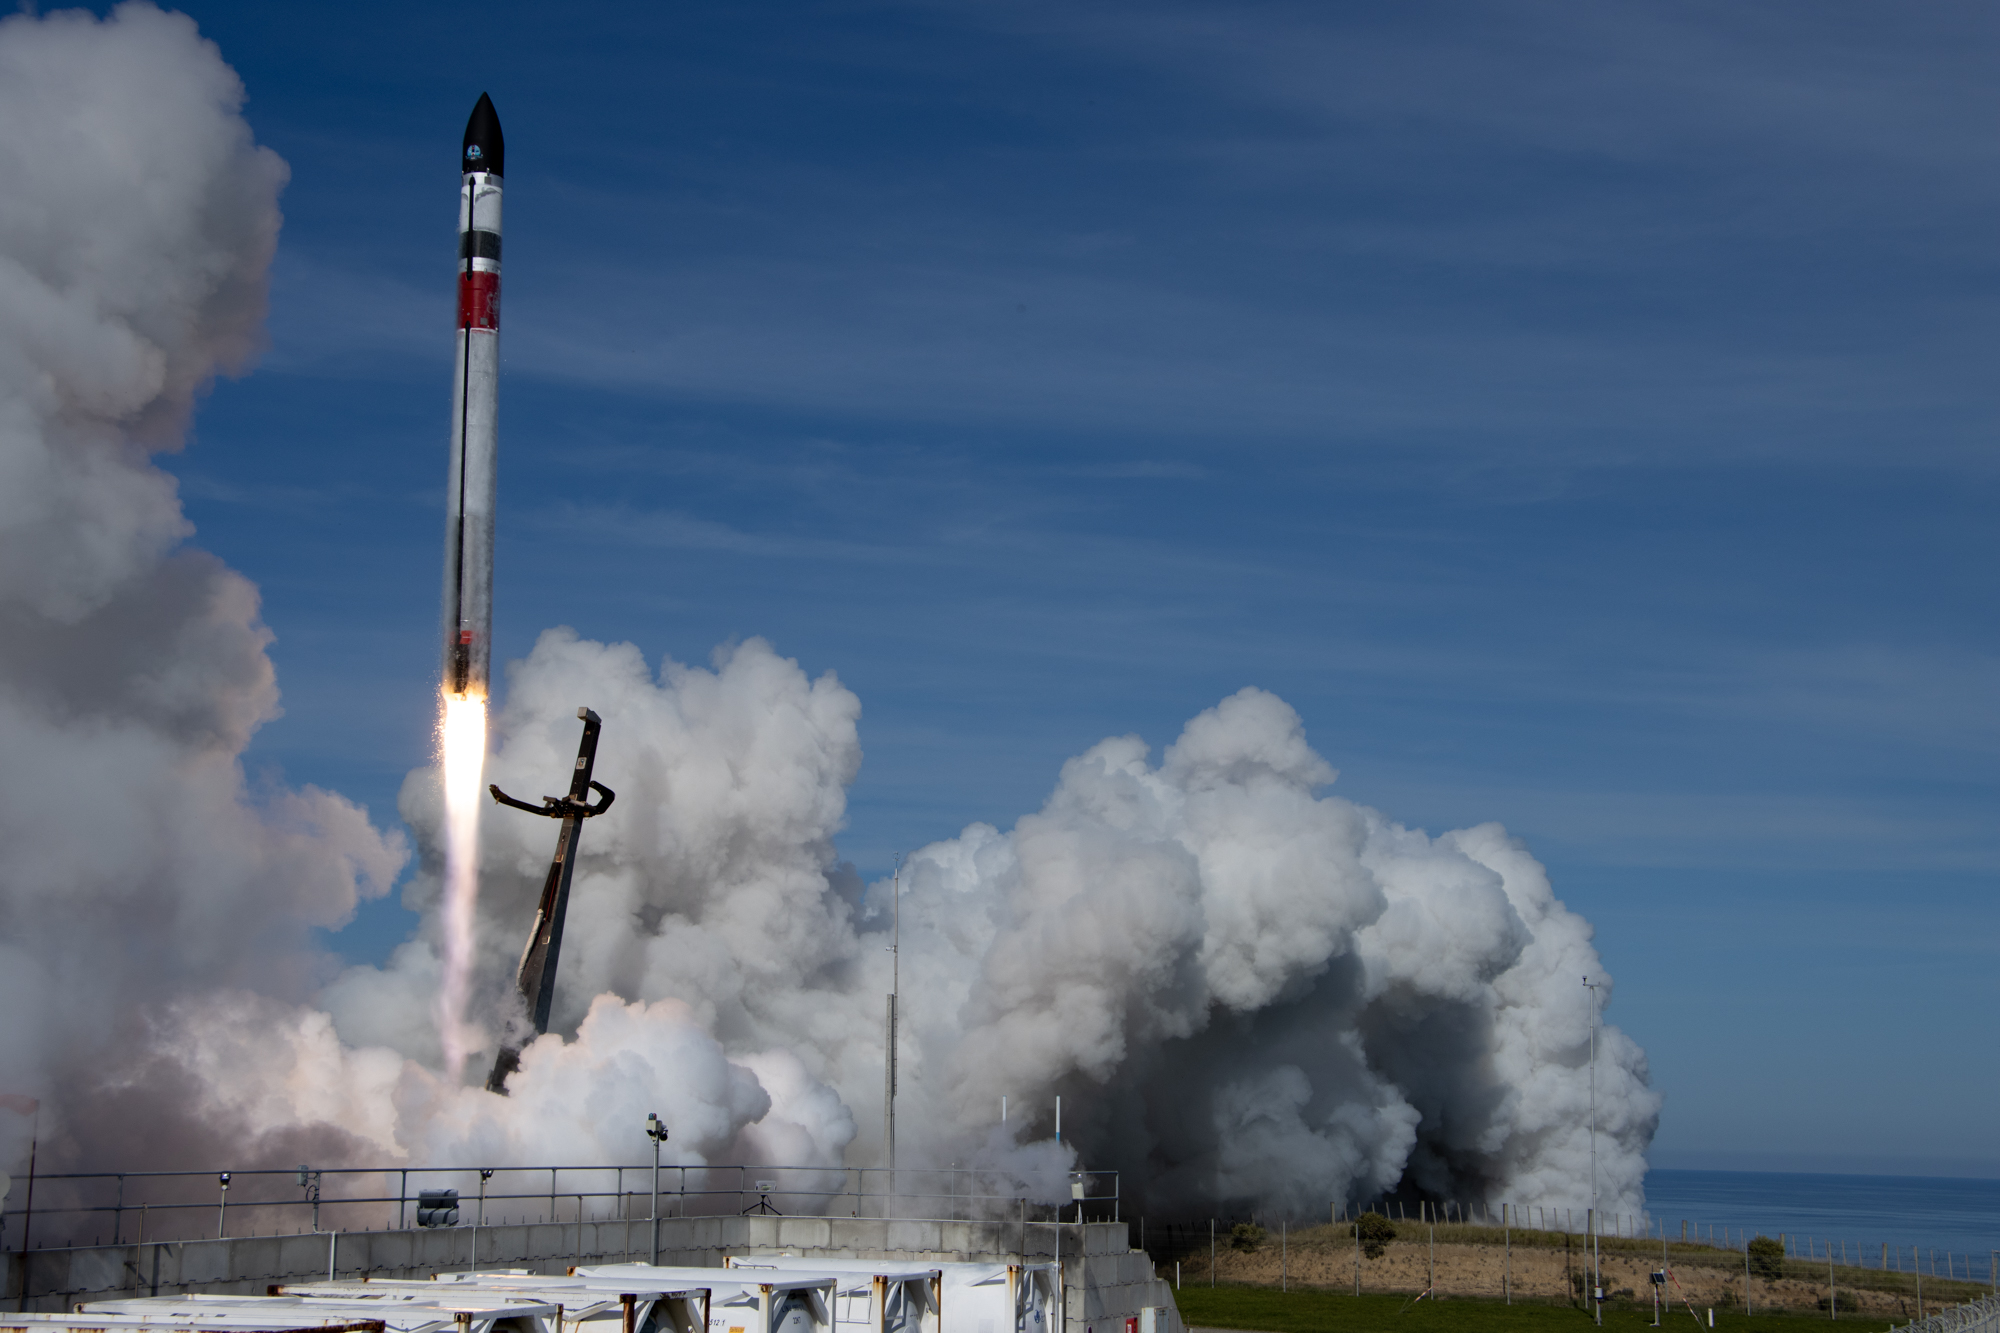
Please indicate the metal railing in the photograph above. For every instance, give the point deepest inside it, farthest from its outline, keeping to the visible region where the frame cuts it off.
(121, 1207)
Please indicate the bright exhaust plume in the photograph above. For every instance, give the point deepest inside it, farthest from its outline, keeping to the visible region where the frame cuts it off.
(462, 760)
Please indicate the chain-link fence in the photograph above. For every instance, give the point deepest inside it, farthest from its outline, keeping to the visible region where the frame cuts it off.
(1979, 1317)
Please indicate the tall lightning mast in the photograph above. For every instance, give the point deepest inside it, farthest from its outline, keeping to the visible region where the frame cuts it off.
(889, 1045)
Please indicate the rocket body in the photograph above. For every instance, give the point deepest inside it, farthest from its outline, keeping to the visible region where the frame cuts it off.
(471, 481)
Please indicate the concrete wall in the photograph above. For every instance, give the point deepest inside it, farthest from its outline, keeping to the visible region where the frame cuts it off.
(1105, 1279)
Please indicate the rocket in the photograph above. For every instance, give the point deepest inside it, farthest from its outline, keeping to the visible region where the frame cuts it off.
(469, 490)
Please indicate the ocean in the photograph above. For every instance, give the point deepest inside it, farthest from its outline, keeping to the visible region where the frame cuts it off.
(1959, 1219)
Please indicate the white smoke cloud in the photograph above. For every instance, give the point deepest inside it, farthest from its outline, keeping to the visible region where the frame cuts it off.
(1244, 989)
(136, 228)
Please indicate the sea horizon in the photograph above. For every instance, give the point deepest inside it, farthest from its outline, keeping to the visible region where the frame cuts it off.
(1950, 1221)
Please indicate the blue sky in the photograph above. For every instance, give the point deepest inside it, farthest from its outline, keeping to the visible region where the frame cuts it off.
(1583, 415)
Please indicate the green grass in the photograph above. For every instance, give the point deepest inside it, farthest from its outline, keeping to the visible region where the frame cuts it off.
(1304, 1310)
(1681, 1254)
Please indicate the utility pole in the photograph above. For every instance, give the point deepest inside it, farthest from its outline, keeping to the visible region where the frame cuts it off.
(1596, 1262)
(889, 1046)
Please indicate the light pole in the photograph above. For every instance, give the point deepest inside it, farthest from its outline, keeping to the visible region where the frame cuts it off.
(1596, 1263)
(222, 1209)
(656, 1130)
(479, 1218)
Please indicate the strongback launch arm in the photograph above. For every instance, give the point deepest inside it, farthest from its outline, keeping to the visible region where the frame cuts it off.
(536, 980)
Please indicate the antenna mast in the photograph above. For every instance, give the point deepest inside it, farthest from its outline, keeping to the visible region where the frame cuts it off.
(889, 1046)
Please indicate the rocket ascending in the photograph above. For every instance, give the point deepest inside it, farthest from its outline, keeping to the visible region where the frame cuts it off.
(468, 552)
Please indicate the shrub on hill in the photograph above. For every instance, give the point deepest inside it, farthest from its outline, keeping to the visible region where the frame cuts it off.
(1246, 1236)
(1767, 1257)
(1375, 1232)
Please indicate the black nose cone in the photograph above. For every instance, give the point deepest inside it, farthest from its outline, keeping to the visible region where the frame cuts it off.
(485, 146)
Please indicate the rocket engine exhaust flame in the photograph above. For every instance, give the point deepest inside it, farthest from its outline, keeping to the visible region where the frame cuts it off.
(462, 756)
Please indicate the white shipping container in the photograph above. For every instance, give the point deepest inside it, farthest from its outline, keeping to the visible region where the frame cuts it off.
(586, 1306)
(741, 1302)
(870, 1296)
(231, 1322)
(973, 1297)
(447, 1312)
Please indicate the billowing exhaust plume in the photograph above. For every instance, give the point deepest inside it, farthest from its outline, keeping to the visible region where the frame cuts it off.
(137, 224)
(1248, 991)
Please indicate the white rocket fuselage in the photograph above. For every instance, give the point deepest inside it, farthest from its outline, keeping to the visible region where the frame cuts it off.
(471, 483)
